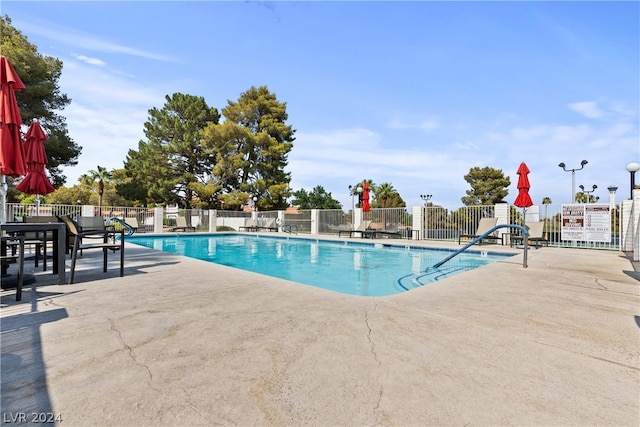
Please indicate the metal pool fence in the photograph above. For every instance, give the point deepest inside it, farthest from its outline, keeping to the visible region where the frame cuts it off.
(423, 223)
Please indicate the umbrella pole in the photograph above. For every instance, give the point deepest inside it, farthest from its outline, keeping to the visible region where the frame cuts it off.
(37, 205)
(3, 196)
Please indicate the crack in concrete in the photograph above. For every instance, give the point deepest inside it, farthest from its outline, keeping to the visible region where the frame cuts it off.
(376, 408)
(131, 353)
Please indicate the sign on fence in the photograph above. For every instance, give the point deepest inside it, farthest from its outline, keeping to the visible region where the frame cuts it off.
(587, 222)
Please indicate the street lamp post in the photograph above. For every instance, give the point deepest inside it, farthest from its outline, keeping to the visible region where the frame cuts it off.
(573, 177)
(426, 198)
(633, 167)
(353, 206)
(587, 192)
(612, 196)
(255, 204)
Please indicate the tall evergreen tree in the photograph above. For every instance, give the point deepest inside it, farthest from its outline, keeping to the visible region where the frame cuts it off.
(42, 99)
(488, 186)
(173, 163)
(318, 198)
(251, 149)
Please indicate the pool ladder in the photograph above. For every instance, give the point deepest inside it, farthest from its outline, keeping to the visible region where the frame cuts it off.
(478, 239)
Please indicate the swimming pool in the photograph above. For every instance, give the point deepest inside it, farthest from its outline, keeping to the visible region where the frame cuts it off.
(355, 268)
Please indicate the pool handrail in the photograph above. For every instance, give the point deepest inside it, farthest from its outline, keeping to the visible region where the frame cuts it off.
(479, 238)
(288, 228)
(129, 229)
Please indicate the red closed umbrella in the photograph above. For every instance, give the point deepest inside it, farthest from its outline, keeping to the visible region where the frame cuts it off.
(366, 207)
(523, 200)
(36, 181)
(11, 151)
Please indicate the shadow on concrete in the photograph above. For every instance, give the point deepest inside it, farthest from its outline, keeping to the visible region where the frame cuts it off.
(23, 388)
(632, 274)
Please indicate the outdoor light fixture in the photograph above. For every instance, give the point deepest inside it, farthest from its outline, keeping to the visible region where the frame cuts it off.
(612, 196)
(588, 192)
(359, 190)
(255, 204)
(633, 167)
(426, 198)
(573, 177)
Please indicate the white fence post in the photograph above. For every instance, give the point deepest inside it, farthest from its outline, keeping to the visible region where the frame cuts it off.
(213, 220)
(158, 216)
(357, 217)
(501, 212)
(417, 223)
(626, 226)
(280, 220)
(87, 210)
(315, 223)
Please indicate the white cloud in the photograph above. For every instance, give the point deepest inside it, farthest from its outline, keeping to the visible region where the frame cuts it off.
(588, 109)
(428, 124)
(78, 39)
(91, 61)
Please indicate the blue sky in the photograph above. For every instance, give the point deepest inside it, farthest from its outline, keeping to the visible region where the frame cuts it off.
(409, 93)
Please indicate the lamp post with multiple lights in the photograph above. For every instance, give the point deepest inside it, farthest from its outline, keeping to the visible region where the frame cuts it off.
(426, 198)
(587, 192)
(573, 177)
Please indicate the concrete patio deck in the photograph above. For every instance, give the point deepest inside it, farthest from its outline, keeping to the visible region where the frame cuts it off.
(180, 342)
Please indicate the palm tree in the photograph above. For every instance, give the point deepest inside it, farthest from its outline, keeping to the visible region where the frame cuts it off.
(354, 189)
(102, 175)
(384, 192)
(546, 201)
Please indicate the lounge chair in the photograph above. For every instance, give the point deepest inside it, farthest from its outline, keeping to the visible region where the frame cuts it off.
(249, 225)
(269, 224)
(181, 225)
(362, 228)
(133, 223)
(382, 234)
(107, 241)
(536, 235)
(484, 225)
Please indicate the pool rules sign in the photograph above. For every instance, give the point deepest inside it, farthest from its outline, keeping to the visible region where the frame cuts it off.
(586, 222)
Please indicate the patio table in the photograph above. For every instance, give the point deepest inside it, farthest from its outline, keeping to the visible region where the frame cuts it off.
(59, 230)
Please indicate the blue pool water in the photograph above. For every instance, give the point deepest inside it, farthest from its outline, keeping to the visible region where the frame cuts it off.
(354, 268)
